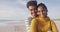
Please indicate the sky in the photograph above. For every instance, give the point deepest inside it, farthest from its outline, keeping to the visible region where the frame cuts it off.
(17, 10)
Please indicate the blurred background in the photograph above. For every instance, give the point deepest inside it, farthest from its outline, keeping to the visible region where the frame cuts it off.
(14, 12)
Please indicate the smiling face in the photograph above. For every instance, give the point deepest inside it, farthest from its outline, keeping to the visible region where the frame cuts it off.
(32, 10)
(42, 12)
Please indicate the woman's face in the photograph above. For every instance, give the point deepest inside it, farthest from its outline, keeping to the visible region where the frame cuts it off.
(42, 11)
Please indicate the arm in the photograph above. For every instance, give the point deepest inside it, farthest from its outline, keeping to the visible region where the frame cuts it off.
(33, 26)
(27, 24)
(54, 27)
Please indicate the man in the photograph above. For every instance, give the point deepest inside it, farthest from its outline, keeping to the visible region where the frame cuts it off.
(32, 6)
(42, 23)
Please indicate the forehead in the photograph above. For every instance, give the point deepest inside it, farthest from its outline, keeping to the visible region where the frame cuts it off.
(41, 8)
(31, 6)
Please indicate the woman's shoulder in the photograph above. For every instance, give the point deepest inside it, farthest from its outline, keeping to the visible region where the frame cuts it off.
(52, 22)
(34, 19)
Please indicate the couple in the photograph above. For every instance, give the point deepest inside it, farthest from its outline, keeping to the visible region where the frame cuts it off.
(38, 20)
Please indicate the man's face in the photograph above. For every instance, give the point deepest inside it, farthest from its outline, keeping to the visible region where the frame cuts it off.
(32, 10)
(42, 11)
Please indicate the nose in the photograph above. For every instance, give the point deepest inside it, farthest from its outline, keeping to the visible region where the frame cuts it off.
(41, 12)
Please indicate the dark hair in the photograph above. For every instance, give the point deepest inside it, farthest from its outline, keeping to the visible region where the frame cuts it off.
(43, 5)
(31, 3)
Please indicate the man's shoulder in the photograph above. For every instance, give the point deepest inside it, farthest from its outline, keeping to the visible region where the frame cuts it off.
(28, 17)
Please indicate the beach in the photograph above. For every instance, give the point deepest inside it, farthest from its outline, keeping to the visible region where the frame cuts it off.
(17, 26)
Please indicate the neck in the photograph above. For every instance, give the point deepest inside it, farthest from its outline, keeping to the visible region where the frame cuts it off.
(32, 16)
(43, 17)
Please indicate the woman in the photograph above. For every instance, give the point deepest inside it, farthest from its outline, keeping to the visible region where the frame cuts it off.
(42, 23)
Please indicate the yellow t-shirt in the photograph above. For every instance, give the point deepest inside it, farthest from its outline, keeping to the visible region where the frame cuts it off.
(40, 24)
